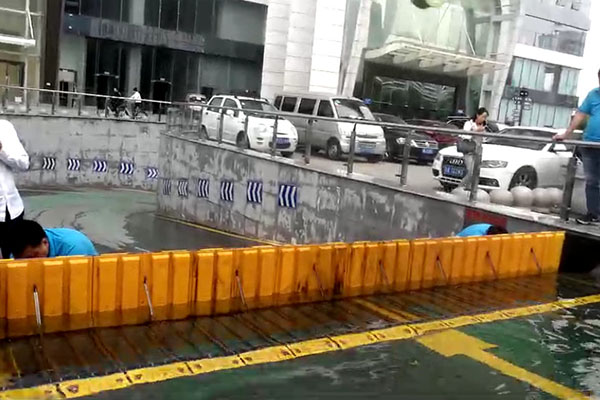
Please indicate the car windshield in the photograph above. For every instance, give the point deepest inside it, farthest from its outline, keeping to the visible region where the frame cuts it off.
(392, 119)
(352, 109)
(195, 99)
(526, 133)
(257, 105)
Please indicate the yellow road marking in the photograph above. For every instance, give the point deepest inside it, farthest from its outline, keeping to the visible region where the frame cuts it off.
(395, 316)
(453, 343)
(214, 230)
(86, 387)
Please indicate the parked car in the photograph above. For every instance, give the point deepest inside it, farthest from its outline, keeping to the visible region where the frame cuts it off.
(423, 149)
(259, 135)
(442, 139)
(508, 162)
(195, 101)
(332, 136)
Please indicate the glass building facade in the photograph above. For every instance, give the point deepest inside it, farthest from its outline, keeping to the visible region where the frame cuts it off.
(166, 48)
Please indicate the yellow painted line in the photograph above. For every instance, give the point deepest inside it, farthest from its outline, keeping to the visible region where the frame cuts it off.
(220, 232)
(452, 343)
(395, 316)
(85, 387)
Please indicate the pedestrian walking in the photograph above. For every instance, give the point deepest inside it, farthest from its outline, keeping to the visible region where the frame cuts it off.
(136, 98)
(468, 144)
(591, 157)
(13, 157)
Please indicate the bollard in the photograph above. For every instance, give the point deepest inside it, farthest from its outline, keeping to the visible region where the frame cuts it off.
(352, 150)
(476, 171)
(4, 96)
(274, 139)
(221, 118)
(565, 207)
(27, 101)
(79, 101)
(406, 158)
(308, 140)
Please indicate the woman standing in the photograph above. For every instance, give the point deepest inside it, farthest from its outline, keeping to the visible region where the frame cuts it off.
(469, 144)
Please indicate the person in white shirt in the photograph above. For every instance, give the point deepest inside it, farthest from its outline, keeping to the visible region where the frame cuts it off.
(475, 124)
(13, 157)
(136, 97)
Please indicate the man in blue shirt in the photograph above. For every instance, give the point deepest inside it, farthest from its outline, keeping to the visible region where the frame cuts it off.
(591, 157)
(29, 240)
(482, 230)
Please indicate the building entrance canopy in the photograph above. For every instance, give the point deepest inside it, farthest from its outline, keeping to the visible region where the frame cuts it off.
(456, 37)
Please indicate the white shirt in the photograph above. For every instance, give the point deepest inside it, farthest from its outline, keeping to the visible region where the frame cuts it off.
(470, 126)
(13, 157)
(137, 97)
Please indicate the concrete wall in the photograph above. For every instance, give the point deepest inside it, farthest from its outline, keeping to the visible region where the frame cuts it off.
(87, 140)
(329, 208)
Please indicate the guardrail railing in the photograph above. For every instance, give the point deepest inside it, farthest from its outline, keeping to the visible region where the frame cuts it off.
(18, 99)
(188, 118)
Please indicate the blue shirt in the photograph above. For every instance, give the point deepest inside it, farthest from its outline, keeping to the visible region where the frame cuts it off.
(475, 230)
(591, 107)
(69, 242)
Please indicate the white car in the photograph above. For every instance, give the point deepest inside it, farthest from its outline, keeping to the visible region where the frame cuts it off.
(259, 135)
(507, 163)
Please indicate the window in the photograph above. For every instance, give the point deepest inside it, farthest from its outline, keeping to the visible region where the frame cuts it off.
(307, 106)
(325, 109)
(576, 5)
(168, 14)
(289, 104)
(215, 101)
(187, 15)
(232, 104)
(569, 79)
(353, 109)
(278, 102)
(257, 105)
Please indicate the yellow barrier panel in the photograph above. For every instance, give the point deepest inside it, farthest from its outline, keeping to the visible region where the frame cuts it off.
(205, 278)
(402, 270)
(114, 289)
(269, 276)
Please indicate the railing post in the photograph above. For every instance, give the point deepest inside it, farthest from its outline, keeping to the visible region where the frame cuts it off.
(406, 158)
(476, 170)
(221, 120)
(27, 96)
(308, 142)
(565, 207)
(54, 97)
(79, 101)
(274, 139)
(200, 120)
(352, 150)
(4, 97)
(246, 122)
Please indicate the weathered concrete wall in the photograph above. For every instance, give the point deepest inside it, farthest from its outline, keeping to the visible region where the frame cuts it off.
(329, 207)
(129, 149)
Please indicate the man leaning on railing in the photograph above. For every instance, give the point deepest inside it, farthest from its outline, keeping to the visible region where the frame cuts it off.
(591, 156)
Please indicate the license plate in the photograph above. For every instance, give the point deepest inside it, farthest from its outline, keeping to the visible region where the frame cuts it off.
(454, 172)
(428, 151)
(283, 141)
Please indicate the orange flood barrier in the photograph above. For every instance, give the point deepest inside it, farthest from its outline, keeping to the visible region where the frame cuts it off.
(125, 289)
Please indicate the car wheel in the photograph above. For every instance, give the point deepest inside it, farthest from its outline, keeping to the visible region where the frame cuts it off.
(287, 154)
(374, 159)
(242, 141)
(203, 133)
(448, 188)
(525, 176)
(334, 150)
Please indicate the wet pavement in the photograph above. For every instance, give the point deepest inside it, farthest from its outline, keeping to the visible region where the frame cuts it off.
(121, 221)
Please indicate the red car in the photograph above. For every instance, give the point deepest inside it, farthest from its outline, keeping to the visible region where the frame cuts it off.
(442, 139)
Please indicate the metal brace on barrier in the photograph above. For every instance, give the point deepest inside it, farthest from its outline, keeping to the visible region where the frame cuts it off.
(148, 298)
(319, 281)
(438, 262)
(491, 263)
(241, 289)
(537, 263)
(36, 305)
(383, 274)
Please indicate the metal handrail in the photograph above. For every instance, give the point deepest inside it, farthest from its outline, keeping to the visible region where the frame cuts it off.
(410, 131)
